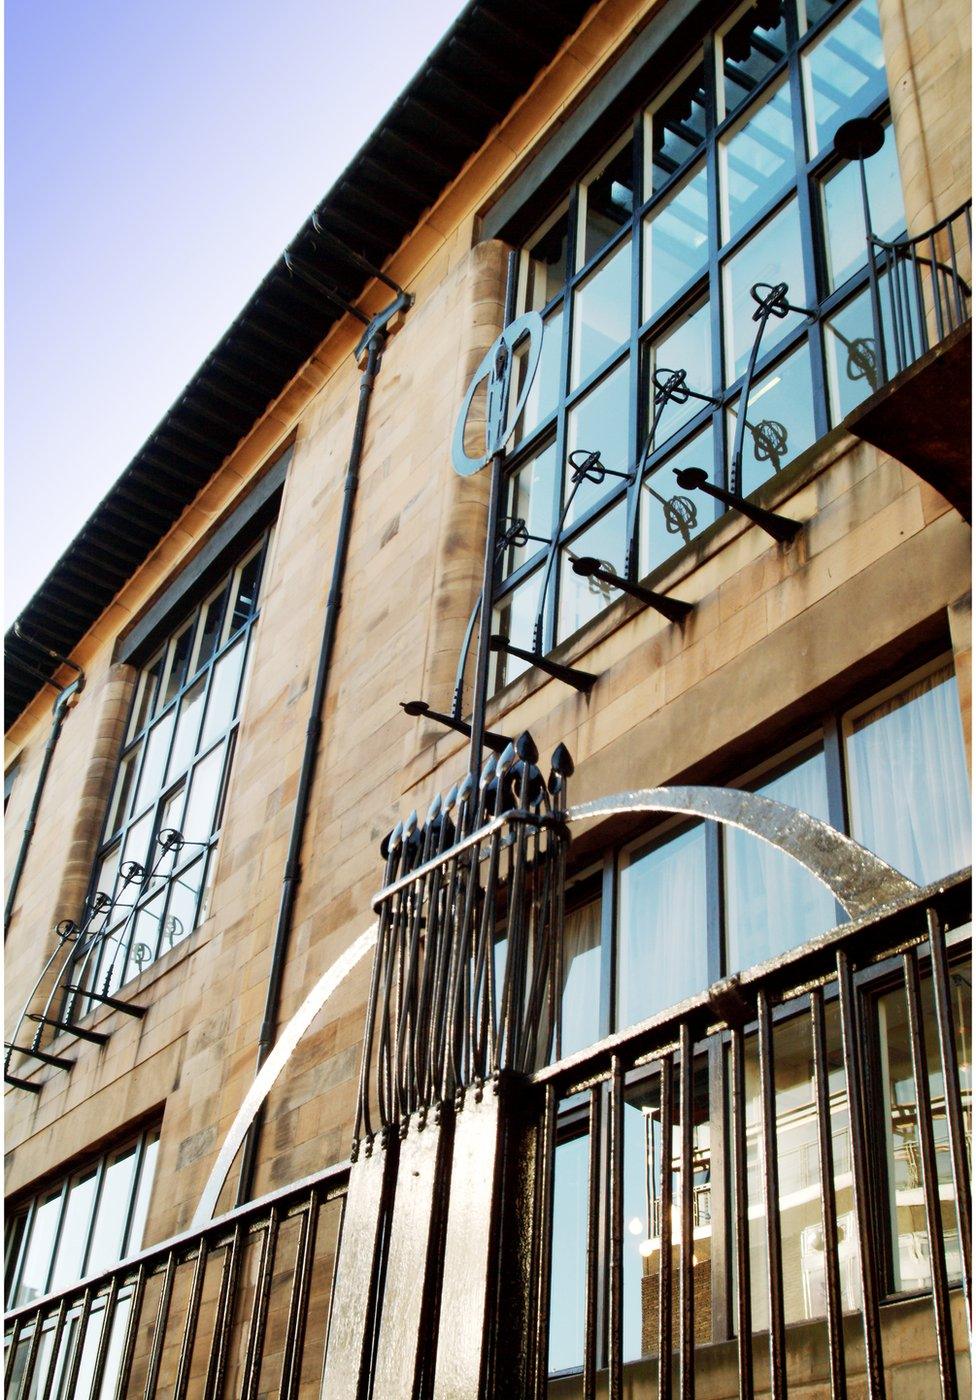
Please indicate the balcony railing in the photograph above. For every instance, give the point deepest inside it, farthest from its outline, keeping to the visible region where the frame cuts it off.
(240, 1307)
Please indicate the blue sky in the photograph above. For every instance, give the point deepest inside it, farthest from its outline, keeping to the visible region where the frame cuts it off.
(158, 159)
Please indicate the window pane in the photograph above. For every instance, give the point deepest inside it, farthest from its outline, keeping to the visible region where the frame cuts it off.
(581, 978)
(909, 793)
(800, 1189)
(844, 210)
(771, 902)
(544, 393)
(599, 422)
(779, 420)
(514, 618)
(568, 1281)
(772, 255)
(123, 790)
(583, 598)
(113, 1207)
(844, 73)
(145, 937)
(187, 727)
(141, 1208)
(154, 765)
(224, 688)
(677, 128)
(662, 946)
(204, 786)
(608, 201)
(148, 687)
(181, 915)
(137, 844)
(751, 48)
(853, 367)
(546, 269)
(912, 1264)
(688, 346)
(757, 161)
(675, 242)
(212, 626)
(74, 1231)
(179, 660)
(246, 592)
(601, 314)
(40, 1248)
(531, 493)
(645, 1159)
(669, 518)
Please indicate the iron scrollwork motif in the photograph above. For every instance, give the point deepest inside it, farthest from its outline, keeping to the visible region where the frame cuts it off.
(495, 371)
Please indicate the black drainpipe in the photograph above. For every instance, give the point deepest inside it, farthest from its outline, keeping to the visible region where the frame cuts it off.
(66, 694)
(373, 341)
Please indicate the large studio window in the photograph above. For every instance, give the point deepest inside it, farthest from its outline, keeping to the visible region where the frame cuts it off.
(154, 872)
(727, 179)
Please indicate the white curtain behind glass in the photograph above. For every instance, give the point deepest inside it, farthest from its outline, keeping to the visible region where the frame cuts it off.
(581, 978)
(662, 950)
(909, 785)
(771, 902)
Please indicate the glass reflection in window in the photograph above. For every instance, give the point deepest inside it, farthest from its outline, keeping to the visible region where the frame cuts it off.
(662, 952)
(607, 200)
(601, 314)
(670, 518)
(844, 73)
(582, 598)
(757, 161)
(567, 1289)
(581, 978)
(544, 390)
(686, 345)
(531, 492)
(779, 420)
(677, 127)
(546, 262)
(514, 617)
(772, 255)
(751, 48)
(907, 779)
(599, 423)
(844, 210)
(675, 242)
(771, 902)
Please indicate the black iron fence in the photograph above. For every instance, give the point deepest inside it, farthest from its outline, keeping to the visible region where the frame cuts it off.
(237, 1308)
(790, 1146)
(821, 1106)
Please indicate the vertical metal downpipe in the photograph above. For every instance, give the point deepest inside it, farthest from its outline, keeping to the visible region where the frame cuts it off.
(292, 872)
(65, 696)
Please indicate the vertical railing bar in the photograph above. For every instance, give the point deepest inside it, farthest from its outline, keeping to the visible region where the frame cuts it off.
(592, 1249)
(32, 1350)
(616, 1178)
(860, 1177)
(953, 1099)
(919, 296)
(770, 1163)
(71, 1374)
(901, 316)
(45, 1390)
(544, 1191)
(686, 1286)
(301, 1283)
(828, 1196)
(664, 1315)
(101, 1354)
(889, 259)
(12, 1346)
(131, 1327)
(223, 1317)
(936, 293)
(254, 1352)
(743, 1269)
(957, 295)
(930, 1178)
(159, 1327)
(190, 1325)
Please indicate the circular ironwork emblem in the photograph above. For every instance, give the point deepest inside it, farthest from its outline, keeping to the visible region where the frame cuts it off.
(497, 368)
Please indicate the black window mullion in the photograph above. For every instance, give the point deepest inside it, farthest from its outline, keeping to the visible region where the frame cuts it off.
(608, 945)
(548, 638)
(96, 1199)
(58, 1232)
(134, 1193)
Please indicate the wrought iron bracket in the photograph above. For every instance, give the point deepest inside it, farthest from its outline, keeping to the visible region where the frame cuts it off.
(416, 708)
(58, 1061)
(26, 1084)
(780, 527)
(583, 681)
(96, 1037)
(127, 1008)
(672, 608)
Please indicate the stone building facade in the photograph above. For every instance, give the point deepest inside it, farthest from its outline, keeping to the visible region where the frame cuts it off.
(630, 169)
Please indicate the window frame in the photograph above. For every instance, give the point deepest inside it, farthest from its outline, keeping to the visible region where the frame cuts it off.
(140, 726)
(802, 188)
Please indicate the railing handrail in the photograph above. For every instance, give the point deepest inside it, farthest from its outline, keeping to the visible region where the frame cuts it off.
(905, 240)
(812, 963)
(330, 1177)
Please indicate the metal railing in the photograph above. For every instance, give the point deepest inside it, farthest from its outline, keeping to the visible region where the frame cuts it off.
(921, 290)
(237, 1308)
(735, 1031)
